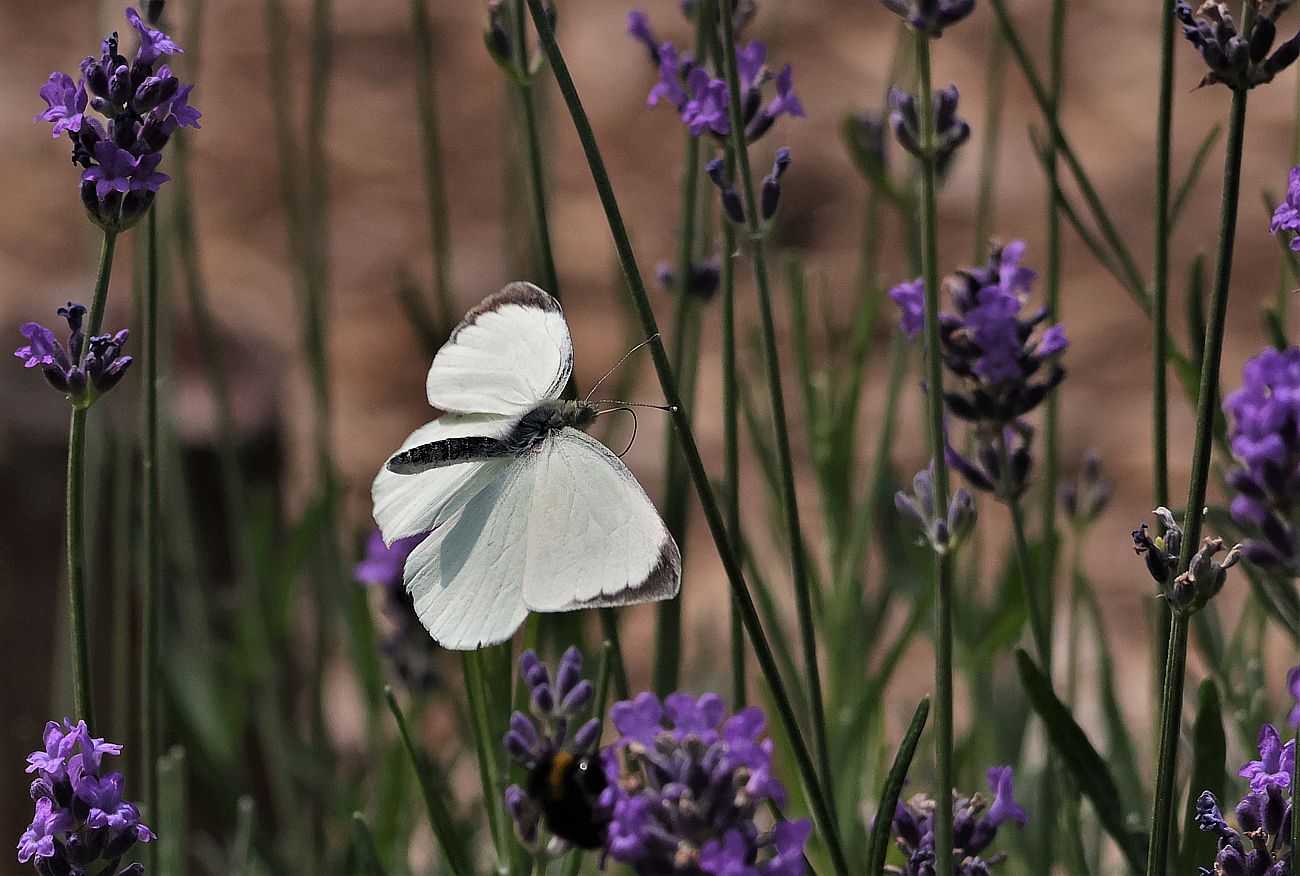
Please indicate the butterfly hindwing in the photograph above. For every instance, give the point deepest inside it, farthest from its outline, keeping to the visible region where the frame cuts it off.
(466, 578)
(509, 353)
(594, 537)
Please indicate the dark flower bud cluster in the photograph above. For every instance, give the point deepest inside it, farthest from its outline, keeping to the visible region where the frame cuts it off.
(1265, 439)
(1261, 843)
(703, 282)
(930, 17)
(769, 193)
(703, 100)
(976, 821)
(537, 739)
(498, 37)
(1189, 591)
(84, 370)
(134, 109)
(1238, 60)
(1085, 499)
(82, 825)
(943, 529)
(732, 206)
(997, 358)
(686, 786)
(407, 645)
(742, 12)
(1287, 215)
(950, 131)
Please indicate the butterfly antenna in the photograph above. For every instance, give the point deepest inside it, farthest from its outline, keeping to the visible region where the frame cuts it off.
(635, 423)
(617, 364)
(670, 409)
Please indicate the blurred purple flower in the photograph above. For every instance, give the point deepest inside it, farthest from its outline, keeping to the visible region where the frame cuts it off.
(975, 826)
(1276, 761)
(1293, 687)
(406, 643)
(930, 17)
(1287, 215)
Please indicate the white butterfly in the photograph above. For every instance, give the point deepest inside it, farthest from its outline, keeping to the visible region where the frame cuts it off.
(524, 511)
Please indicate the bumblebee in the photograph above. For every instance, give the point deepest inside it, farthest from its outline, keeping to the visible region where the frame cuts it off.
(566, 786)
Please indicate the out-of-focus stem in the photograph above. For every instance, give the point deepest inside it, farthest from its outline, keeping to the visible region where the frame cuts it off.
(435, 179)
(150, 719)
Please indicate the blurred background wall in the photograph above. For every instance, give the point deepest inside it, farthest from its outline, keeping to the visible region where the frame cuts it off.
(841, 51)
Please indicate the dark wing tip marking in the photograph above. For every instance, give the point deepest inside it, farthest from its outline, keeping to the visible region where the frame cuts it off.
(518, 292)
(662, 582)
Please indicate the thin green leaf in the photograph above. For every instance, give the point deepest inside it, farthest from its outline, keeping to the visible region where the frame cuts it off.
(1209, 754)
(893, 787)
(1088, 768)
(172, 823)
(363, 847)
(241, 854)
(1193, 174)
(436, 794)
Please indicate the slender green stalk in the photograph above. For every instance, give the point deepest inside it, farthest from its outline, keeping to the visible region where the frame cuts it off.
(685, 329)
(785, 460)
(1206, 404)
(822, 812)
(435, 178)
(1052, 279)
(1171, 710)
(150, 730)
(934, 423)
(731, 441)
(523, 83)
(76, 507)
(1029, 579)
(618, 672)
(1160, 269)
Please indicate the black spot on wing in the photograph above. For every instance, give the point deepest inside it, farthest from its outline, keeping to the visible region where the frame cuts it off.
(449, 451)
(518, 293)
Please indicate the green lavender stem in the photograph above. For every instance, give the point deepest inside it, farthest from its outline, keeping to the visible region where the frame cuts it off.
(685, 342)
(523, 82)
(1176, 660)
(149, 621)
(76, 507)
(822, 812)
(1160, 269)
(435, 179)
(731, 441)
(934, 422)
(785, 462)
(1052, 425)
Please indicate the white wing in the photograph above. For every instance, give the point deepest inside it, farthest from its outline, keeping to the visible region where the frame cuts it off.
(594, 538)
(466, 578)
(507, 354)
(411, 504)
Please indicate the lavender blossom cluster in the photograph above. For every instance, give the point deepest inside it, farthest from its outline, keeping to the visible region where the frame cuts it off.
(86, 368)
(682, 790)
(998, 359)
(82, 824)
(976, 821)
(1265, 441)
(119, 115)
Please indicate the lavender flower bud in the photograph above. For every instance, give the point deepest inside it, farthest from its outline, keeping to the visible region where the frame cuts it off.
(771, 191)
(495, 36)
(731, 204)
(1204, 577)
(930, 17)
(943, 530)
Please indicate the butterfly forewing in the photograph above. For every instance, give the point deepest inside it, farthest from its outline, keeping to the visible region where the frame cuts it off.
(508, 354)
(408, 505)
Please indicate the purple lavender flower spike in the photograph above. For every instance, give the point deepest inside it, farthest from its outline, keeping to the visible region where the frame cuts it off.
(1275, 763)
(950, 131)
(82, 824)
(83, 379)
(153, 42)
(410, 650)
(1287, 215)
(1264, 436)
(1260, 844)
(120, 116)
(67, 104)
(544, 745)
(702, 99)
(684, 783)
(975, 827)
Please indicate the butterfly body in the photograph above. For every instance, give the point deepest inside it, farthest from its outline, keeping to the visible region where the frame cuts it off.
(523, 510)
